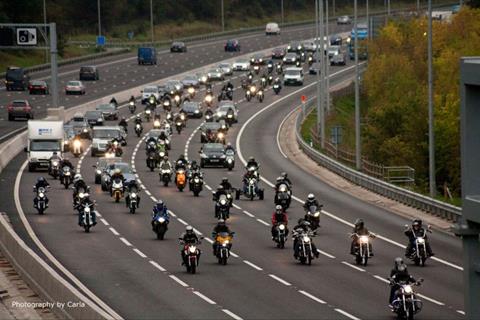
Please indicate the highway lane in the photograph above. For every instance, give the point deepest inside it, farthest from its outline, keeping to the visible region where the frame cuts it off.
(123, 72)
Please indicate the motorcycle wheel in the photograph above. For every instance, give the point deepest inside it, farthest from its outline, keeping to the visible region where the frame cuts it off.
(358, 259)
(132, 210)
(196, 193)
(165, 183)
(40, 211)
(193, 269)
(260, 195)
(66, 185)
(281, 244)
(364, 261)
(87, 229)
(237, 195)
(252, 196)
(302, 260)
(416, 261)
(422, 262)
(180, 188)
(151, 169)
(224, 261)
(309, 260)
(117, 198)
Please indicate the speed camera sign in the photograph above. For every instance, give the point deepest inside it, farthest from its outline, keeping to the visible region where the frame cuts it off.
(26, 36)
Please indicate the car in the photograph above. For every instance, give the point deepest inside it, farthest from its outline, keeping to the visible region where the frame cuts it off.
(89, 73)
(215, 128)
(339, 59)
(155, 133)
(344, 20)
(102, 165)
(101, 136)
(108, 110)
(149, 91)
(68, 136)
(336, 40)
(192, 109)
(212, 154)
(19, 109)
(191, 81)
(293, 76)
(333, 50)
(125, 168)
(222, 110)
(215, 74)
(178, 46)
(257, 59)
(272, 28)
(309, 45)
(38, 86)
(290, 58)
(95, 118)
(315, 68)
(232, 45)
(295, 46)
(16, 79)
(226, 68)
(174, 85)
(74, 87)
(80, 125)
(202, 77)
(279, 53)
(241, 65)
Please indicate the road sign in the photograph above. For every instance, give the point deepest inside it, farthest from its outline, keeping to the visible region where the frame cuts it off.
(100, 40)
(336, 135)
(304, 98)
(26, 36)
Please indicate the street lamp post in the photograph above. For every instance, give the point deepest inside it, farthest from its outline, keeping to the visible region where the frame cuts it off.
(151, 22)
(327, 63)
(45, 28)
(223, 17)
(358, 153)
(99, 19)
(322, 75)
(431, 133)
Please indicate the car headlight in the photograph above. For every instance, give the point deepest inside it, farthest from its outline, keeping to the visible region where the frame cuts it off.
(99, 120)
(197, 111)
(289, 47)
(204, 79)
(220, 135)
(191, 90)
(98, 171)
(299, 48)
(66, 142)
(293, 60)
(208, 98)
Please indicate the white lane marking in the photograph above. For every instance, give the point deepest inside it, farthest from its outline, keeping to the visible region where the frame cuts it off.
(198, 232)
(431, 300)
(207, 299)
(235, 206)
(254, 266)
(148, 192)
(326, 254)
(156, 265)
(182, 221)
(104, 222)
(381, 279)
(140, 253)
(90, 298)
(209, 240)
(346, 314)
(280, 280)
(114, 231)
(461, 312)
(125, 241)
(242, 159)
(353, 266)
(183, 284)
(248, 213)
(263, 222)
(231, 314)
(312, 297)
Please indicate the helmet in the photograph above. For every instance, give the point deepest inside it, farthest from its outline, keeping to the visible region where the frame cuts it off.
(194, 163)
(284, 175)
(402, 267)
(165, 158)
(160, 203)
(182, 156)
(189, 229)
(224, 179)
(398, 262)
(417, 222)
(359, 223)
(138, 116)
(311, 197)
(279, 179)
(40, 179)
(221, 222)
(229, 144)
(251, 159)
(278, 208)
(117, 171)
(77, 177)
(123, 118)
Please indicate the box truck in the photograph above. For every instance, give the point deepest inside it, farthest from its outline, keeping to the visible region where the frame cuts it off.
(44, 138)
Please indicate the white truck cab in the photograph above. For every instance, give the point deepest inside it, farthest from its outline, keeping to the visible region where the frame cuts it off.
(44, 138)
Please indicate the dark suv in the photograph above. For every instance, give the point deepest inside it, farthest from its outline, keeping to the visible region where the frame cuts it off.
(232, 45)
(89, 73)
(16, 79)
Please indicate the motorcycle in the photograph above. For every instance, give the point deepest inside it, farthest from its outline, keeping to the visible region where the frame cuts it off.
(54, 168)
(283, 196)
(277, 88)
(406, 304)
(281, 235)
(304, 243)
(41, 200)
(224, 243)
(362, 248)
(160, 227)
(256, 69)
(312, 215)
(222, 96)
(178, 100)
(270, 67)
(87, 218)
(230, 93)
(156, 124)
(419, 255)
(208, 116)
(179, 126)
(252, 190)
(117, 189)
(152, 160)
(167, 106)
(77, 148)
(196, 185)
(66, 176)
(148, 114)
(133, 201)
(169, 116)
(78, 196)
(191, 92)
(180, 179)
(279, 69)
(132, 107)
(248, 95)
(115, 149)
(190, 256)
(222, 208)
(270, 80)
(263, 82)
(260, 95)
(138, 129)
(230, 159)
(165, 176)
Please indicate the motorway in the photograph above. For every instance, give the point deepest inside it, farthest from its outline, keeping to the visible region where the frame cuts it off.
(141, 277)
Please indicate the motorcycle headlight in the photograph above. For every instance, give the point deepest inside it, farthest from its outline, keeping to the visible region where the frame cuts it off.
(229, 160)
(162, 154)
(192, 249)
(226, 242)
(133, 195)
(161, 220)
(191, 90)
(306, 239)
(223, 202)
(293, 60)
(408, 289)
(260, 93)
(177, 98)
(299, 48)
(151, 100)
(77, 143)
(196, 180)
(252, 182)
(364, 239)
(41, 194)
(166, 103)
(204, 79)
(85, 130)
(98, 171)
(67, 142)
(284, 59)
(420, 240)
(132, 103)
(253, 89)
(260, 60)
(256, 67)
(55, 163)
(289, 47)
(220, 135)
(87, 209)
(282, 188)
(229, 116)
(316, 214)
(281, 227)
(148, 111)
(179, 123)
(224, 127)
(156, 123)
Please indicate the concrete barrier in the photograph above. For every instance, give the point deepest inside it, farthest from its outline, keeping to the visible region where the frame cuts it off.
(45, 281)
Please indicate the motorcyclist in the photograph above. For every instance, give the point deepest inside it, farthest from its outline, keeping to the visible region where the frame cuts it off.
(132, 99)
(279, 216)
(114, 101)
(302, 226)
(78, 184)
(86, 202)
(283, 179)
(117, 175)
(64, 163)
(195, 169)
(229, 147)
(181, 163)
(41, 183)
(399, 274)
(138, 119)
(160, 210)
(189, 237)
(220, 191)
(229, 85)
(165, 164)
(227, 186)
(132, 186)
(359, 229)
(252, 163)
(123, 123)
(311, 201)
(54, 156)
(412, 233)
(221, 227)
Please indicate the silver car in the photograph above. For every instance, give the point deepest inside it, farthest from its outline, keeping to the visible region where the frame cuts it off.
(226, 68)
(74, 87)
(222, 110)
(191, 81)
(124, 167)
(309, 46)
(215, 74)
(241, 65)
(344, 20)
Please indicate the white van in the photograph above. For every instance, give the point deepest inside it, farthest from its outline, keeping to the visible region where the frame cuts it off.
(272, 28)
(44, 138)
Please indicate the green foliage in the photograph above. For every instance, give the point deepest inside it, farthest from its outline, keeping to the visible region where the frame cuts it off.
(396, 89)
